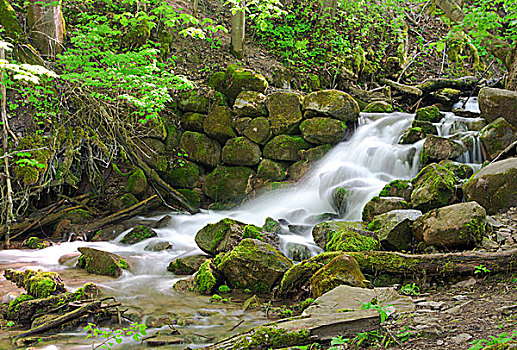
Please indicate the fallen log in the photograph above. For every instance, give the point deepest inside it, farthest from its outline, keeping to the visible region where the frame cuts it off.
(434, 84)
(402, 88)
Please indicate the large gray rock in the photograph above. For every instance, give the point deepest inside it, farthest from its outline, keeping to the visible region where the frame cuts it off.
(323, 130)
(498, 103)
(494, 186)
(393, 228)
(187, 265)
(217, 124)
(200, 148)
(453, 226)
(436, 149)
(250, 104)
(285, 147)
(285, 112)
(331, 103)
(241, 151)
(381, 205)
(226, 183)
(496, 136)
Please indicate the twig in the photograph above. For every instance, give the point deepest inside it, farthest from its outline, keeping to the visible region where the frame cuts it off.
(477, 82)
(237, 325)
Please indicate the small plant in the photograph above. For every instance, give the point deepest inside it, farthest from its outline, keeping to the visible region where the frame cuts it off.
(135, 331)
(410, 289)
(10, 324)
(481, 270)
(494, 340)
(224, 288)
(384, 312)
(338, 342)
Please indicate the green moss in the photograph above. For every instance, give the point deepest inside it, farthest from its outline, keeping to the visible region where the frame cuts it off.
(378, 261)
(137, 183)
(79, 216)
(122, 263)
(35, 243)
(350, 240)
(14, 305)
(193, 197)
(271, 337)
(217, 81)
(204, 278)
(182, 173)
(475, 230)
(139, 233)
(226, 183)
(428, 114)
(29, 166)
(252, 231)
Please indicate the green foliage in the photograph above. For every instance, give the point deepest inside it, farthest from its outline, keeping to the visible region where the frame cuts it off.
(494, 340)
(224, 288)
(384, 312)
(481, 270)
(410, 289)
(109, 337)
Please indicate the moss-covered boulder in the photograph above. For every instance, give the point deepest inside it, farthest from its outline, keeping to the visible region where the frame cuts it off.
(453, 226)
(433, 187)
(138, 234)
(344, 236)
(285, 147)
(38, 284)
(79, 216)
(427, 127)
(270, 170)
(172, 141)
(137, 183)
(461, 170)
(124, 201)
(436, 149)
(331, 103)
(394, 228)
(378, 107)
(224, 235)
(193, 101)
(428, 114)
(412, 135)
(398, 188)
(9, 21)
(494, 186)
(323, 130)
(100, 262)
(496, 136)
(36, 243)
(187, 265)
(250, 104)
(342, 270)
(218, 124)
(238, 80)
(193, 121)
(206, 278)
(258, 130)
(498, 103)
(255, 265)
(182, 173)
(200, 148)
(340, 197)
(297, 251)
(285, 114)
(315, 153)
(241, 151)
(217, 81)
(192, 196)
(226, 184)
(381, 205)
(298, 170)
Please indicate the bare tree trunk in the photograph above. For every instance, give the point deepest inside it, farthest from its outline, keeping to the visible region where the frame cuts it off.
(238, 23)
(511, 80)
(47, 26)
(329, 9)
(195, 7)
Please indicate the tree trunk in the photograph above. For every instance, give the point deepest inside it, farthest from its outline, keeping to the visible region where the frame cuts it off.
(47, 26)
(329, 8)
(238, 23)
(511, 81)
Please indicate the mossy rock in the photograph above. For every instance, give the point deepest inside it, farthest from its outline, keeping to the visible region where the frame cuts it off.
(381, 205)
(193, 121)
(36, 243)
(240, 124)
(226, 184)
(138, 234)
(182, 173)
(200, 148)
(315, 153)
(340, 198)
(218, 124)
(137, 183)
(272, 226)
(496, 136)
(254, 265)
(297, 251)
(193, 101)
(461, 170)
(498, 103)
(298, 170)
(206, 278)
(37, 284)
(342, 270)
(270, 170)
(378, 107)
(79, 216)
(217, 81)
(238, 80)
(29, 166)
(446, 98)
(411, 136)
(285, 114)
(433, 187)
(398, 188)
(152, 151)
(258, 130)
(331, 103)
(193, 197)
(494, 187)
(344, 236)
(124, 201)
(187, 265)
(9, 21)
(393, 228)
(455, 226)
(428, 128)
(100, 262)
(250, 104)
(428, 114)
(323, 130)
(436, 149)
(285, 147)
(241, 151)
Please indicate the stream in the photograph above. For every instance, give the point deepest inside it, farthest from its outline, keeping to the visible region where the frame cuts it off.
(365, 163)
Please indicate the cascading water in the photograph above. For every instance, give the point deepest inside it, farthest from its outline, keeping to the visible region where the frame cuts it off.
(362, 165)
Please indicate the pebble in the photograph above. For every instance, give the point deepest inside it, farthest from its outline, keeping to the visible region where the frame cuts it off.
(461, 338)
(467, 283)
(439, 342)
(433, 305)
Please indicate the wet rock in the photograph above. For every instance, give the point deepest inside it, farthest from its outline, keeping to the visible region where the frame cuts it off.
(412, 135)
(137, 183)
(207, 277)
(258, 130)
(38, 284)
(315, 153)
(226, 184)
(323, 130)
(193, 121)
(429, 114)
(494, 187)
(344, 236)
(453, 226)
(285, 112)
(192, 196)
(378, 107)
(298, 170)
(398, 188)
(271, 170)
(342, 270)
(241, 151)
(100, 262)
(297, 251)
(161, 339)
(331, 103)
(182, 173)
(498, 103)
(340, 198)
(437, 148)
(496, 136)
(159, 246)
(433, 187)
(193, 101)
(217, 124)
(393, 228)
(462, 171)
(381, 205)
(251, 303)
(108, 233)
(200, 148)
(138, 234)
(250, 104)
(36, 243)
(124, 201)
(427, 127)
(446, 98)
(285, 147)
(272, 226)
(187, 265)
(255, 265)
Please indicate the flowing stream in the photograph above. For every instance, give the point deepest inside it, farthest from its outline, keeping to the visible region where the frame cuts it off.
(364, 164)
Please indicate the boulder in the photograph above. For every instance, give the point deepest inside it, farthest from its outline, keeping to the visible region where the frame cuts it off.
(250, 104)
(340, 198)
(172, 141)
(297, 251)
(331, 103)
(285, 147)
(193, 101)
(138, 234)
(200, 148)
(498, 103)
(315, 153)
(270, 170)
(344, 236)
(240, 124)
(494, 186)
(192, 196)
(285, 112)
(217, 124)
(258, 130)
(446, 98)
(207, 277)
(241, 151)
(453, 226)
(398, 188)
(323, 130)
(37, 284)
(226, 184)
(342, 270)
(427, 127)
(381, 205)
(496, 136)
(255, 265)
(124, 201)
(428, 114)
(182, 173)
(378, 107)
(412, 135)
(393, 228)
(461, 170)
(193, 121)
(298, 170)
(100, 262)
(238, 80)
(437, 148)
(137, 183)
(433, 187)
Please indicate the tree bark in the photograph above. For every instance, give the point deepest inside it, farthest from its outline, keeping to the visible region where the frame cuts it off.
(47, 26)
(238, 24)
